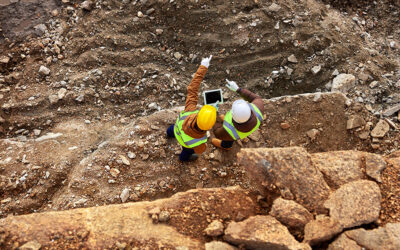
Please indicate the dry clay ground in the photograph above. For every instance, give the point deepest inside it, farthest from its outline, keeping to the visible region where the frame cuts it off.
(115, 75)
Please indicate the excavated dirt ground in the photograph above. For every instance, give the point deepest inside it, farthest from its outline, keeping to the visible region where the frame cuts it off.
(114, 64)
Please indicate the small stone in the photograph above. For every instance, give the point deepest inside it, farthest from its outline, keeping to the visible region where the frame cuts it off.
(373, 84)
(290, 213)
(124, 195)
(380, 130)
(335, 72)
(44, 70)
(131, 155)
(140, 14)
(316, 69)
(134, 197)
(31, 245)
(355, 121)
(343, 82)
(178, 55)
(164, 216)
(4, 59)
(159, 31)
(289, 71)
(87, 5)
(125, 160)
(162, 184)
(216, 228)
(312, 134)
(53, 99)
(364, 135)
(114, 172)
(121, 246)
(54, 13)
(317, 97)
(150, 11)
(363, 77)
(155, 210)
(292, 58)
(40, 29)
(274, 7)
(285, 125)
(61, 93)
(80, 98)
(37, 132)
(392, 110)
(153, 105)
(7, 200)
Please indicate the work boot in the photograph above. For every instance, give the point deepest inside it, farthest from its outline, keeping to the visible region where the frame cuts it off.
(193, 157)
(216, 142)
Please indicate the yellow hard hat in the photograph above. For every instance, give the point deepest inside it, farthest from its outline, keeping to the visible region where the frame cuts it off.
(206, 117)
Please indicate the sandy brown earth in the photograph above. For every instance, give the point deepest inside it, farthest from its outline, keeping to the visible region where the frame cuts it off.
(118, 75)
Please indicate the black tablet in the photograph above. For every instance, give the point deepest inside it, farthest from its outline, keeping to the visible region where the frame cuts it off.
(213, 96)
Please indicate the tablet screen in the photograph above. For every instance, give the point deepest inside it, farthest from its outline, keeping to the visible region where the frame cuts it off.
(213, 96)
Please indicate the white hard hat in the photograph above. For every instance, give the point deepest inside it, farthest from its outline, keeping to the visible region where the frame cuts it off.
(241, 111)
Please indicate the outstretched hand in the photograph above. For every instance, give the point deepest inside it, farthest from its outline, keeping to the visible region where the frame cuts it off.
(232, 85)
(216, 105)
(206, 61)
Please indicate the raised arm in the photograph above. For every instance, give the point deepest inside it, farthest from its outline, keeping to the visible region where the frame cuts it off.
(246, 94)
(193, 89)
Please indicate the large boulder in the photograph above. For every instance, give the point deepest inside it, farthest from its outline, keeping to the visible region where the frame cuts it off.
(262, 232)
(321, 229)
(339, 167)
(130, 223)
(343, 242)
(355, 203)
(290, 170)
(387, 237)
(290, 213)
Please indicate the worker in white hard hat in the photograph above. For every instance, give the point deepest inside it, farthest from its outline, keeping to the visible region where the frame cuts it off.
(241, 121)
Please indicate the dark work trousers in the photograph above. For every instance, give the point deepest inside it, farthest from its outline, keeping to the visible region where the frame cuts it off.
(227, 144)
(186, 152)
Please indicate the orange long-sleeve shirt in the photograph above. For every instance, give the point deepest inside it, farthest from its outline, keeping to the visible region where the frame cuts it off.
(189, 125)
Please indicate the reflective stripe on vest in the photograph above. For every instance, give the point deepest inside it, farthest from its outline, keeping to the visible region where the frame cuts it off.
(236, 134)
(184, 139)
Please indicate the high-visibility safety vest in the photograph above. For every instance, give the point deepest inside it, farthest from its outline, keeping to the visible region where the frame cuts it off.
(183, 139)
(236, 134)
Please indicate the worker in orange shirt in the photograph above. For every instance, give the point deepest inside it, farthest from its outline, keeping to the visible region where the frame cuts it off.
(190, 129)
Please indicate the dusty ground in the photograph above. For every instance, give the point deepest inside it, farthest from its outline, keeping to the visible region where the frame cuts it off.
(112, 64)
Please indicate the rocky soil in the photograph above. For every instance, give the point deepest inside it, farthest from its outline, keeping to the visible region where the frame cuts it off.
(88, 88)
(313, 208)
